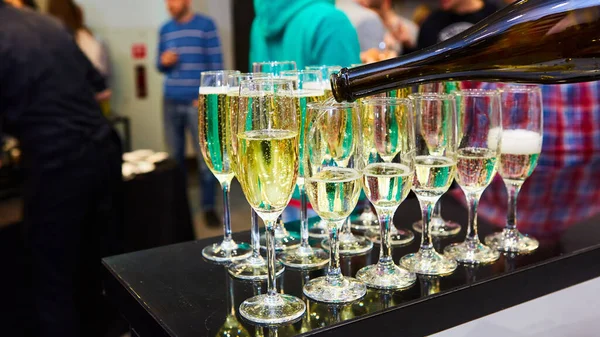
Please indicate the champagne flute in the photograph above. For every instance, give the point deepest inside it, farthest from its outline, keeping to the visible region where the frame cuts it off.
(308, 90)
(521, 144)
(273, 67)
(439, 226)
(479, 121)
(283, 239)
(384, 140)
(332, 167)
(266, 137)
(215, 143)
(435, 167)
(255, 266)
(389, 156)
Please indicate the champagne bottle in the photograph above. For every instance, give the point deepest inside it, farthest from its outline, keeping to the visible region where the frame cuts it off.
(530, 41)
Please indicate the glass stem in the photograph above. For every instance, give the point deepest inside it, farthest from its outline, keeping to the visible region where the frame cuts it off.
(226, 214)
(437, 210)
(231, 301)
(270, 234)
(426, 210)
(473, 202)
(334, 273)
(511, 215)
(303, 217)
(255, 233)
(347, 227)
(385, 220)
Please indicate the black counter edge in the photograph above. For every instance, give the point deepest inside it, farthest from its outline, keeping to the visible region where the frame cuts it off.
(135, 311)
(461, 305)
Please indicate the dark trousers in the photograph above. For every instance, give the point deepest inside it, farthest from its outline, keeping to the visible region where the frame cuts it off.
(73, 218)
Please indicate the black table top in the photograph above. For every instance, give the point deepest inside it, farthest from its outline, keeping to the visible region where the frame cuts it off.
(173, 291)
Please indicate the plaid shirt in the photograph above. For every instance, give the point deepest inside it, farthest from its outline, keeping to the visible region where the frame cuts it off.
(564, 189)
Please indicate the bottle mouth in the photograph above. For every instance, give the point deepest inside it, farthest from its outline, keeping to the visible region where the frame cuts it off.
(339, 81)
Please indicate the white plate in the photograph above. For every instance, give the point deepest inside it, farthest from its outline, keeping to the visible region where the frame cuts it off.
(157, 157)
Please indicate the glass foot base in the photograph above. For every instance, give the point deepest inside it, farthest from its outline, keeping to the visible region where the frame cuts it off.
(398, 237)
(386, 276)
(321, 290)
(439, 227)
(471, 253)
(365, 222)
(227, 251)
(351, 244)
(305, 258)
(428, 262)
(512, 241)
(253, 268)
(283, 242)
(319, 230)
(272, 309)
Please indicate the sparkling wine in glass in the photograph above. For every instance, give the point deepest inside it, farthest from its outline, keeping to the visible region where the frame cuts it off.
(333, 184)
(215, 143)
(387, 179)
(255, 266)
(266, 137)
(479, 121)
(283, 239)
(520, 147)
(435, 168)
(308, 89)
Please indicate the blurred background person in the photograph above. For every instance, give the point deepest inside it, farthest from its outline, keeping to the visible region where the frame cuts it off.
(71, 158)
(188, 45)
(71, 15)
(369, 27)
(452, 18)
(402, 31)
(309, 32)
(420, 14)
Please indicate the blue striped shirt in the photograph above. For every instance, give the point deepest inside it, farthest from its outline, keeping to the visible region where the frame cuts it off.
(197, 44)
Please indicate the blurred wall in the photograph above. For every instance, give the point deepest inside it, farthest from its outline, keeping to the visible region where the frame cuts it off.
(122, 23)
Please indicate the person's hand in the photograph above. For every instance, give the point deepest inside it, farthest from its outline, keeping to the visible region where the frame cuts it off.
(168, 58)
(381, 7)
(103, 95)
(375, 55)
(195, 103)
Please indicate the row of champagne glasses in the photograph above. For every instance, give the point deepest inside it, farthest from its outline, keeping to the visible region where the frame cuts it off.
(336, 153)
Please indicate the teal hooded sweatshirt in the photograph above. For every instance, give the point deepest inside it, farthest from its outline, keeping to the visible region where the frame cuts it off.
(310, 32)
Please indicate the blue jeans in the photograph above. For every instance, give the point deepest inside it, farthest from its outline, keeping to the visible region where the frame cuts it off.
(179, 117)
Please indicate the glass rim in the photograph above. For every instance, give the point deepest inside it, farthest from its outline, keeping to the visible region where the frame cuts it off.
(316, 67)
(477, 92)
(240, 74)
(386, 100)
(274, 62)
(521, 88)
(299, 72)
(275, 80)
(220, 72)
(331, 105)
(432, 96)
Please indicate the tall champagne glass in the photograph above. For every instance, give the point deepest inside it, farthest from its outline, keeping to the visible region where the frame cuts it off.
(388, 175)
(479, 116)
(332, 168)
(283, 239)
(320, 228)
(440, 227)
(255, 266)
(266, 137)
(435, 167)
(215, 143)
(521, 144)
(308, 89)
